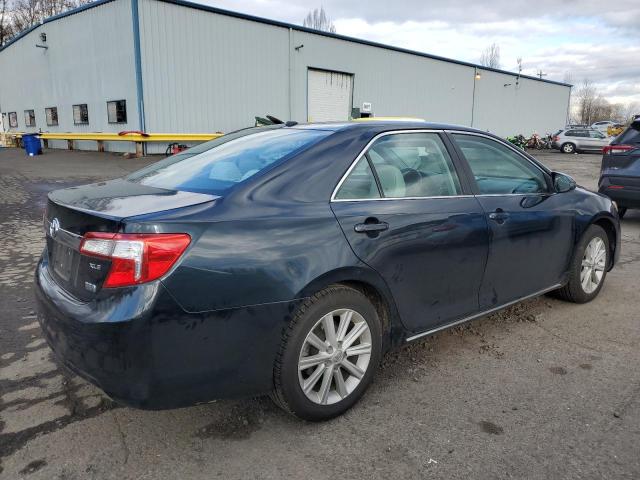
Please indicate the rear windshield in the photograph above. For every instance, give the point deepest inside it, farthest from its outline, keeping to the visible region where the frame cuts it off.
(631, 135)
(217, 166)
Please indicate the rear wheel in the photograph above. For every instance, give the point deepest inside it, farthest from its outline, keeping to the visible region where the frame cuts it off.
(588, 267)
(329, 354)
(568, 148)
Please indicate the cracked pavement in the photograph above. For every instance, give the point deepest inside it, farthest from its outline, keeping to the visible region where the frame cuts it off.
(544, 389)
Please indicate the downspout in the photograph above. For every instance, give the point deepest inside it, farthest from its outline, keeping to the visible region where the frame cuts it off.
(290, 73)
(473, 97)
(135, 18)
(568, 119)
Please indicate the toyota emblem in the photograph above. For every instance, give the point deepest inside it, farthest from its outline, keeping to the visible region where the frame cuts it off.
(54, 226)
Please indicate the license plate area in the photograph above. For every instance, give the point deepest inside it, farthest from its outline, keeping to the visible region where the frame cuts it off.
(63, 260)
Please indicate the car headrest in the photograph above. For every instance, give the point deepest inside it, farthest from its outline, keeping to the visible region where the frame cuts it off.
(391, 180)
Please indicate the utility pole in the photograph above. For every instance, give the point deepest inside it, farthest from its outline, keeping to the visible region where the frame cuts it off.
(541, 74)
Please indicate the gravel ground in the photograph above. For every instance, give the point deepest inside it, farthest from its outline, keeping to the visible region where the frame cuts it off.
(543, 390)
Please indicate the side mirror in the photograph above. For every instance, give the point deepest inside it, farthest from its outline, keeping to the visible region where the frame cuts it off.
(562, 182)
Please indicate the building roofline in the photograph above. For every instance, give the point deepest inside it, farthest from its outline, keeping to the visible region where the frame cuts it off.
(277, 23)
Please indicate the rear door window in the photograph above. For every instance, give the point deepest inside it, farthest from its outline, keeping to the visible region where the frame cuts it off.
(217, 166)
(414, 165)
(497, 169)
(360, 184)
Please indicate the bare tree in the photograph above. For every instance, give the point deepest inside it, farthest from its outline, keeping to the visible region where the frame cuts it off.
(5, 24)
(585, 99)
(590, 106)
(491, 56)
(629, 111)
(23, 14)
(318, 20)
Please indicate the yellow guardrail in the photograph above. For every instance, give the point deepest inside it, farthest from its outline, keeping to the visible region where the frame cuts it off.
(133, 137)
(137, 137)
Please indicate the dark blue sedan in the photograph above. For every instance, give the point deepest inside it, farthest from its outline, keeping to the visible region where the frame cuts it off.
(287, 260)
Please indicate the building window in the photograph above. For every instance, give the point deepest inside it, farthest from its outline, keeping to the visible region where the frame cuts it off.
(52, 116)
(13, 119)
(30, 118)
(80, 114)
(117, 111)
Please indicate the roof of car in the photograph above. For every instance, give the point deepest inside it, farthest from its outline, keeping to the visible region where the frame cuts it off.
(384, 124)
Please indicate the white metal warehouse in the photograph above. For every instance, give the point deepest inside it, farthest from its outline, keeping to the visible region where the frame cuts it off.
(173, 66)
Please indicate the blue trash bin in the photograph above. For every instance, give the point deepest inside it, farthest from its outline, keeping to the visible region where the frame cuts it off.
(32, 144)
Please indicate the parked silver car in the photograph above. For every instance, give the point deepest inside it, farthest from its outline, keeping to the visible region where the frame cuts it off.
(579, 140)
(603, 126)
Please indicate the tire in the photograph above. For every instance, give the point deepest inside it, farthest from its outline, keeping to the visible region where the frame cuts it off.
(568, 148)
(298, 344)
(574, 290)
(622, 212)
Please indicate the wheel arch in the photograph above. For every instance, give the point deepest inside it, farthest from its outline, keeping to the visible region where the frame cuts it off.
(369, 282)
(609, 227)
(608, 224)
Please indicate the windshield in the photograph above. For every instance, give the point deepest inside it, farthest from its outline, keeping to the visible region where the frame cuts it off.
(217, 166)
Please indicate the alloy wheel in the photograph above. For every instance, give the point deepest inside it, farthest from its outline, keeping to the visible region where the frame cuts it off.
(334, 357)
(593, 265)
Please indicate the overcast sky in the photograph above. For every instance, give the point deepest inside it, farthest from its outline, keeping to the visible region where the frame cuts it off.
(566, 39)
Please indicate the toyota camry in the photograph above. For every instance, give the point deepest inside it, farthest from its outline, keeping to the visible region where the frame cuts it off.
(287, 260)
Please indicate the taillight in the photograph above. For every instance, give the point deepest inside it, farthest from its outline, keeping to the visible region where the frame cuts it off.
(135, 258)
(555, 138)
(614, 149)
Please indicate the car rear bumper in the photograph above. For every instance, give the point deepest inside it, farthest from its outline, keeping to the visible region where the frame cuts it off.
(624, 191)
(142, 349)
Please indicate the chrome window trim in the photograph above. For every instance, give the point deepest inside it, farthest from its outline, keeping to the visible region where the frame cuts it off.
(483, 313)
(364, 151)
(339, 200)
(462, 132)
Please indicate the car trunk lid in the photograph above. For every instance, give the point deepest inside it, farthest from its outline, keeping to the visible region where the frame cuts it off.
(99, 207)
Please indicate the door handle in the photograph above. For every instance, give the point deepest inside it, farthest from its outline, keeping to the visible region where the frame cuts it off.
(499, 216)
(371, 227)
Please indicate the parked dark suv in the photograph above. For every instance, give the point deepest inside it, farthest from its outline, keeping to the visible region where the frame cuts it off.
(620, 171)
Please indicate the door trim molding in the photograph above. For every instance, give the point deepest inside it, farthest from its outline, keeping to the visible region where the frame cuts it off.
(482, 314)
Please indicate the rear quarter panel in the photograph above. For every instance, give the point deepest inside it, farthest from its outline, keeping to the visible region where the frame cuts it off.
(261, 259)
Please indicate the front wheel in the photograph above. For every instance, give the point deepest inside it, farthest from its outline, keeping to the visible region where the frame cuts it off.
(588, 267)
(329, 354)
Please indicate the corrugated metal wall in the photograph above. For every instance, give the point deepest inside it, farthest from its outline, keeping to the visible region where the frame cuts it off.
(396, 83)
(505, 105)
(89, 60)
(204, 71)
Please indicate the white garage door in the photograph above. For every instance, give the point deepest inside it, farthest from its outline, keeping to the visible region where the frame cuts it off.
(328, 96)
